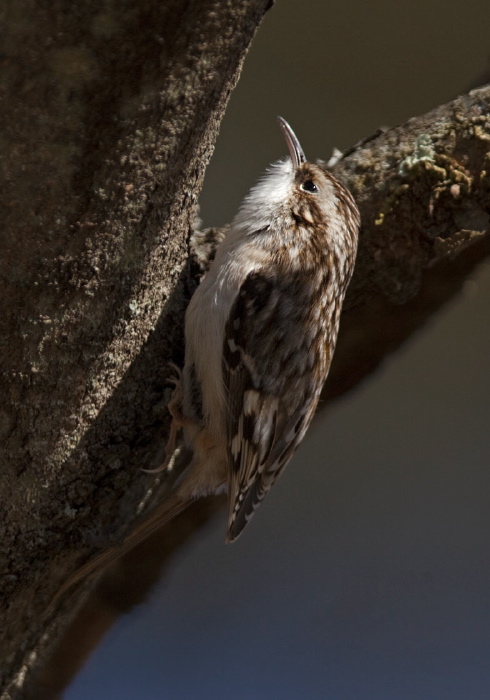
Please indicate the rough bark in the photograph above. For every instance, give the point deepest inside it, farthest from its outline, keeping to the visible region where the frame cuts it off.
(105, 148)
(109, 117)
(423, 189)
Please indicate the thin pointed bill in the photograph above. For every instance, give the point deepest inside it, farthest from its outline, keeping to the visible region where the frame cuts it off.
(295, 150)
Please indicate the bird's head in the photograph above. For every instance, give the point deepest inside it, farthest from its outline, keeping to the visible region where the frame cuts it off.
(295, 192)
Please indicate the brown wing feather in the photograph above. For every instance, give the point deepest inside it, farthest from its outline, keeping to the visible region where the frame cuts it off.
(269, 404)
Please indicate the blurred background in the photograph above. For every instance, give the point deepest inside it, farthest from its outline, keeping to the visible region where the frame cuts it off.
(366, 573)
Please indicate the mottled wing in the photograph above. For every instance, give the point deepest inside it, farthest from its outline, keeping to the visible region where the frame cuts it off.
(272, 386)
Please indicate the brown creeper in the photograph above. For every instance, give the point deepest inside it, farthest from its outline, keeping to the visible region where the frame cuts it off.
(260, 333)
(261, 329)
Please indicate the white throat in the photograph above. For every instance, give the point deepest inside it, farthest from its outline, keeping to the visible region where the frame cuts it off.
(263, 202)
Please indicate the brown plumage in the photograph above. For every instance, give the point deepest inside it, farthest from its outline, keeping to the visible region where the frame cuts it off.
(261, 330)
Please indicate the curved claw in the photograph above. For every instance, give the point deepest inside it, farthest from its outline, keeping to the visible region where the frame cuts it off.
(178, 420)
(166, 463)
(176, 369)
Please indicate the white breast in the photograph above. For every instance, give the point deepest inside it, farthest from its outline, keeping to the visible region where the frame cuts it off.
(206, 318)
(241, 253)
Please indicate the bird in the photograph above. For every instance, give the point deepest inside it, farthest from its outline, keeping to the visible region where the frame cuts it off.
(260, 333)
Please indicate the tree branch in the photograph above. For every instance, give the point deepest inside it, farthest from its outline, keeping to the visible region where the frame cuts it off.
(423, 190)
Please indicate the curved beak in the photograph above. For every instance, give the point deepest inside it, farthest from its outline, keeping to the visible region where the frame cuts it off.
(295, 150)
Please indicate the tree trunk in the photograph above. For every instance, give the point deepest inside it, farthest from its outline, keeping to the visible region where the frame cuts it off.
(109, 120)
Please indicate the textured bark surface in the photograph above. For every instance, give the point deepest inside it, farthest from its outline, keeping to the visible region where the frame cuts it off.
(423, 190)
(109, 119)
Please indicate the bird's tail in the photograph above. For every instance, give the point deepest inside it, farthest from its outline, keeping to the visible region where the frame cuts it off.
(163, 513)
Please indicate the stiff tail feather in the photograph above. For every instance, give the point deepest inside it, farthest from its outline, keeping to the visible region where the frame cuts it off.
(162, 514)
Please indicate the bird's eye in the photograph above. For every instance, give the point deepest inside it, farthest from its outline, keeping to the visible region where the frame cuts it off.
(309, 186)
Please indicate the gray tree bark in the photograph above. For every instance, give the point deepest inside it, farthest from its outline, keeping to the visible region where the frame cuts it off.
(110, 114)
(109, 121)
(423, 189)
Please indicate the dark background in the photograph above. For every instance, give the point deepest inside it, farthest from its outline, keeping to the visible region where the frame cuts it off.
(366, 572)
